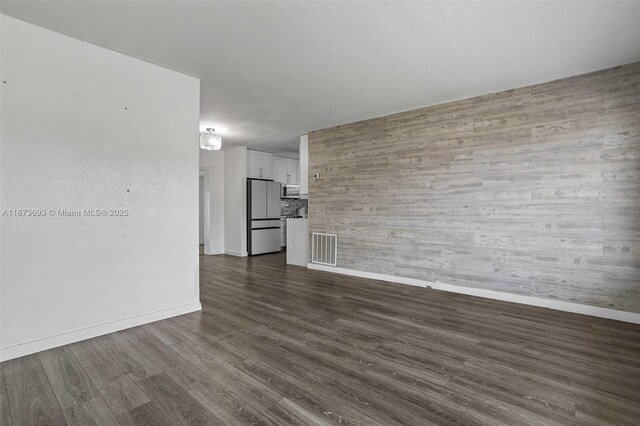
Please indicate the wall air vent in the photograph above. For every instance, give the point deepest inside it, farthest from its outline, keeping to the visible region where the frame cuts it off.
(324, 249)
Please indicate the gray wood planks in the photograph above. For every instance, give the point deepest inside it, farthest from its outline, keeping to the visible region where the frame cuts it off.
(69, 382)
(277, 344)
(31, 399)
(533, 191)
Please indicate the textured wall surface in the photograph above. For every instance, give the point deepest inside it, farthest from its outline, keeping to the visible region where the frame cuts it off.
(533, 191)
(87, 128)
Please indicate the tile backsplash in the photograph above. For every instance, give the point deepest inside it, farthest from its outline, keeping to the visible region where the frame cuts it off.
(290, 206)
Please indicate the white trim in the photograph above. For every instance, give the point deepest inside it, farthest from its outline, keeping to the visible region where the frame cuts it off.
(559, 305)
(214, 253)
(27, 348)
(236, 253)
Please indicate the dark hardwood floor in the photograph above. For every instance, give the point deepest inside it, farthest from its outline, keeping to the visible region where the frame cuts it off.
(278, 344)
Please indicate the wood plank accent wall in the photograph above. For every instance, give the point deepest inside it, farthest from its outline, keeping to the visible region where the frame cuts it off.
(533, 191)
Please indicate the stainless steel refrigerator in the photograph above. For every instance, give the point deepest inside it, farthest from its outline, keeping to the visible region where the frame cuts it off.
(263, 216)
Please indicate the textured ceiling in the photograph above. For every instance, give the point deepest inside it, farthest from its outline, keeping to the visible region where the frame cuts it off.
(271, 71)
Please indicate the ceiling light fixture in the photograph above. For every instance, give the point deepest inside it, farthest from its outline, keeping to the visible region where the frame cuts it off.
(210, 141)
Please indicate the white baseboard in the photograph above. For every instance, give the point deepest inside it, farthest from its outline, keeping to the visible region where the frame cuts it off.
(27, 348)
(236, 253)
(491, 294)
(213, 252)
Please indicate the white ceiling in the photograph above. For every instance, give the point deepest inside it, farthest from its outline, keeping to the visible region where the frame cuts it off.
(271, 71)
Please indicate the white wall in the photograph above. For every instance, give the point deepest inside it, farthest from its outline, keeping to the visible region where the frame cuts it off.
(235, 201)
(201, 211)
(304, 165)
(87, 128)
(213, 163)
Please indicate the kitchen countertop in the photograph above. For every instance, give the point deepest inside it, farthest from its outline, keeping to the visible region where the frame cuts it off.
(298, 241)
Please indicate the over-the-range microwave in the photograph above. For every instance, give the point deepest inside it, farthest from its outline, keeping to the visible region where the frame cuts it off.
(290, 191)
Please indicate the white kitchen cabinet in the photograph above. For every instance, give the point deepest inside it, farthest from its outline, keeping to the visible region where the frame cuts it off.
(286, 170)
(280, 166)
(259, 165)
(292, 172)
(266, 165)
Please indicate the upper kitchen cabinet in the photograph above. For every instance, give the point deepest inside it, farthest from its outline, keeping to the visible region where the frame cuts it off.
(292, 172)
(280, 166)
(286, 170)
(259, 165)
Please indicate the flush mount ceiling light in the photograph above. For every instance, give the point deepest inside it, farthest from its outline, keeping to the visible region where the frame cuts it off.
(210, 141)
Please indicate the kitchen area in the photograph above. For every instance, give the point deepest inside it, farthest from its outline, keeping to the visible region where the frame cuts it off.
(277, 205)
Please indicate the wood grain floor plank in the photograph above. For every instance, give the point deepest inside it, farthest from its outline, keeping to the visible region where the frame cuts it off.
(5, 411)
(163, 331)
(229, 407)
(123, 394)
(163, 356)
(117, 388)
(221, 366)
(277, 344)
(148, 414)
(302, 383)
(96, 362)
(69, 381)
(288, 412)
(92, 412)
(176, 403)
(130, 359)
(298, 386)
(31, 398)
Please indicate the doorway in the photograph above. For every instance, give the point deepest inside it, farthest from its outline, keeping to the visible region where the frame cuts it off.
(201, 212)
